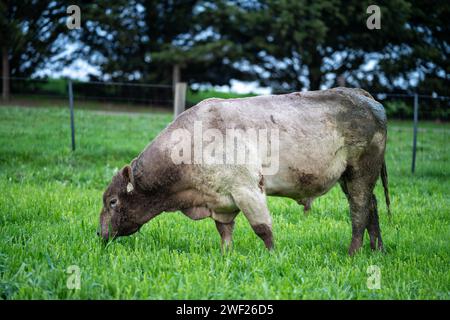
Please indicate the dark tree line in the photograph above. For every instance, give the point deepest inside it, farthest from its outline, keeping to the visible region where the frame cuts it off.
(29, 34)
(287, 45)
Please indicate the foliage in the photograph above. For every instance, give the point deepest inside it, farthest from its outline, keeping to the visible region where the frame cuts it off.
(142, 40)
(398, 108)
(33, 33)
(429, 109)
(306, 44)
(286, 45)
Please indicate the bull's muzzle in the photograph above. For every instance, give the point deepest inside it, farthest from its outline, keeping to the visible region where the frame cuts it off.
(105, 226)
(104, 232)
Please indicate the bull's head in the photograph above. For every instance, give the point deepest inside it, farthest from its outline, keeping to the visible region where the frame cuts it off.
(125, 207)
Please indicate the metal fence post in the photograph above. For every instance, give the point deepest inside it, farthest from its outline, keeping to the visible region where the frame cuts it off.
(72, 124)
(416, 123)
(179, 101)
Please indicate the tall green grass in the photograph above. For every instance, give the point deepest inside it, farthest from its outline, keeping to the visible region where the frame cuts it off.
(50, 200)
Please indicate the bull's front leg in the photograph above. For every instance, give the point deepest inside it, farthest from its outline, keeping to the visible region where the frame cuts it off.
(226, 234)
(252, 202)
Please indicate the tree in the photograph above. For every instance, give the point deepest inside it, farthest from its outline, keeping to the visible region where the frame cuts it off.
(422, 60)
(30, 33)
(291, 45)
(153, 41)
(286, 45)
(295, 44)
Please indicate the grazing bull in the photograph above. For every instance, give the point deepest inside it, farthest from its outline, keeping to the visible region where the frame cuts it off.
(323, 137)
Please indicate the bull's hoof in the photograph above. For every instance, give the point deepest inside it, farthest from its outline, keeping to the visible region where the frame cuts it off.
(379, 248)
(226, 248)
(376, 245)
(355, 247)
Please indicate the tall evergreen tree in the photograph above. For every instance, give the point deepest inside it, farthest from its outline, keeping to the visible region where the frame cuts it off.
(291, 45)
(154, 41)
(422, 61)
(30, 32)
(285, 45)
(296, 44)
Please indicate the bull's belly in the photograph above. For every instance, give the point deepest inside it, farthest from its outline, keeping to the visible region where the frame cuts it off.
(300, 181)
(299, 190)
(299, 177)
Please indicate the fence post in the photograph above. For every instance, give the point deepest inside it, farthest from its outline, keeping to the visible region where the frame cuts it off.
(175, 75)
(179, 101)
(416, 123)
(72, 124)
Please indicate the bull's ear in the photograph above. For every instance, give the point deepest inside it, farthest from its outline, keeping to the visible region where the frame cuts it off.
(127, 174)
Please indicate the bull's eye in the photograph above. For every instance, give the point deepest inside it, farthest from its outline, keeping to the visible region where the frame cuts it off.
(113, 202)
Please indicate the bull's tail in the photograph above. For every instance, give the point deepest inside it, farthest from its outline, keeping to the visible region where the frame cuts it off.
(384, 180)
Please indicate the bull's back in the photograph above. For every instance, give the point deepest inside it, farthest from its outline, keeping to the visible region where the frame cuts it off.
(318, 132)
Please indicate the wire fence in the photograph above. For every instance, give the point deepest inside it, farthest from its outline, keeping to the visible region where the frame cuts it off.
(418, 122)
(33, 92)
(401, 106)
(413, 118)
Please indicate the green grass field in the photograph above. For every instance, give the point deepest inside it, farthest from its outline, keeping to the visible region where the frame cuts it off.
(51, 198)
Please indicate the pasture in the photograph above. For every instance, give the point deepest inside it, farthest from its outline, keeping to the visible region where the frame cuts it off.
(50, 201)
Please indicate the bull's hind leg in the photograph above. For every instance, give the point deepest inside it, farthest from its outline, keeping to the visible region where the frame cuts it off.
(359, 212)
(373, 227)
(358, 182)
(252, 202)
(359, 191)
